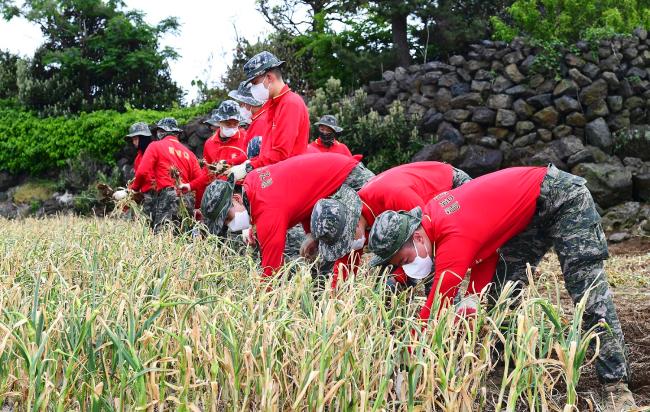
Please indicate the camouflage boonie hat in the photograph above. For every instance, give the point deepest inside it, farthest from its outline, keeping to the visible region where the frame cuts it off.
(243, 94)
(138, 129)
(213, 120)
(334, 222)
(168, 124)
(229, 110)
(260, 64)
(254, 147)
(390, 232)
(216, 201)
(329, 121)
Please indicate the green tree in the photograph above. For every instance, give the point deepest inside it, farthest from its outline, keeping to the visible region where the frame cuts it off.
(8, 81)
(96, 55)
(570, 20)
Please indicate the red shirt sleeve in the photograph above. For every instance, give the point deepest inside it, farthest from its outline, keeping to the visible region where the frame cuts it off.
(271, 235)
(344, 150)
(146, 167)
(482, 273)
(283, 135)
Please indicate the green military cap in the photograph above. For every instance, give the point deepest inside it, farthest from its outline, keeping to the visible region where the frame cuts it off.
(243, 94)
(390, 232)
(139, 129)
(260, 64)
(229, 110)
(217, 199)
(168, 124)
(334, 222)
(329, 121)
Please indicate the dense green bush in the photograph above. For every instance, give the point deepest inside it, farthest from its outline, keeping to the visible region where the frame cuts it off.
(385, 141)
(571, 20)
(35, 145)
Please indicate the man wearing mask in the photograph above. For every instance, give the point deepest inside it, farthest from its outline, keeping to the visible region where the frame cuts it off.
(225, 148)
(341, 226)
(165, 162)
(278, 197)
(140, 136)
(523, 211)
(328, 131)
(287, 133)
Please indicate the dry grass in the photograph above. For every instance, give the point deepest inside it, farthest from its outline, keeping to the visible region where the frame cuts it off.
(100, 314)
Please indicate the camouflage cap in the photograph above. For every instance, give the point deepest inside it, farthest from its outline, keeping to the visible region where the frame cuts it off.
(390, 232)
(229, 110)
(260, 64)
(216, 201)
(213, 119)
(168, 124)
(329, 121)
(334, 222)
(254, 147)
(139, 129)
(243, 95)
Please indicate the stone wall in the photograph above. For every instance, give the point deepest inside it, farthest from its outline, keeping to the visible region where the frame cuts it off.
(492, 108)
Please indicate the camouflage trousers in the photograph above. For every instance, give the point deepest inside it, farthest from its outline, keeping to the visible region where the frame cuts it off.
(358, 177)
(163, 208)
(566, 218)
(458, 178)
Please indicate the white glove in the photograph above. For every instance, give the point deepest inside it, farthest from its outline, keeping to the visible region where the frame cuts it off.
(120, 194)
(239, 171)
(219, 167)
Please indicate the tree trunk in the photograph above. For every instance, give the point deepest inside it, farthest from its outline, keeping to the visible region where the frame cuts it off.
(400, 41)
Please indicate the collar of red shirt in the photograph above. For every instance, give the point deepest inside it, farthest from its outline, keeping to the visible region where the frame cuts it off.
(171, 137)
(260, 112)
(282, 93)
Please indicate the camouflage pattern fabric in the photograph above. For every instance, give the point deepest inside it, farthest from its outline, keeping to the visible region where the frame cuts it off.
(329, 121)
(459, 178)
(228, 110)
(254, 146)
(259, 64)
(295, 236)
(139, 129)
(168, 124)
(149, 205)
(392, 229)
(166, 209)
(566, 218)
(358, 177)
(243, 94)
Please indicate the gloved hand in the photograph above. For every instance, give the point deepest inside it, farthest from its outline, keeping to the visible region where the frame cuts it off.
(120, 194)
(247, 235)
(239, 172)
(309, 247)
(184, 187)
(219, 167)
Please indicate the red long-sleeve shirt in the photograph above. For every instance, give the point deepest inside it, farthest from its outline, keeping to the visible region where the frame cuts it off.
(317, 146)
(136, 164)
(157, 161)
(284, 194)
(259, 124)
(468, 224)
(287, 133)
(233, 151)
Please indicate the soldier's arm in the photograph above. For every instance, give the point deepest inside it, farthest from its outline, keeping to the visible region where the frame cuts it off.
(146, 167)
(271, 235)
(282, 136)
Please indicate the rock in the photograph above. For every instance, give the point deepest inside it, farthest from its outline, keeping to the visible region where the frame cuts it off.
(378, 87)
(459, 89)
(634, 102)
(500, 84)
(416, 110)
(477, 160)
(465, 100)
(489, 141)
(475, 65)
(544, 135)
(619, 121)
(401, 74)
(536, 80)
(8, 210)
(546, 87)
(483, 115)
(621, 217)
(414, 68)
(498, 132)
(519, 91)
(540, 101)
(194, 141)
(464, 74)
(566, 104)
(630, 53)
(591, 70)
(626, 88)
(612, 80)
(524, 127)
(546, 118)
(499, 101)
(388, 75)
(583, 156)
(641, 33)
(567, 146)
(443, 151)
(442, 100)
(594, 92)
(431, 121)
(565, 87)
(65, 200)
(579, 78)
(513, 73)
(525, 140)
(457, 60)
(523, 109)
(431, 77)
(7, 180)
(576, 119)
(597, 133)
(618, 237)
(506, 118)
(448, 132)
(480, 86)
(484, 75)
(615, 103)
(636, 72)
(513, 57)
(610, 63)
(457, 115)
(562, 131)
(437, 66)
(546, 156)
(597, 109)
(470, 128)
(573, 60)
(428, 90)
(609, 184)
(527, 64)
(642, 187)
(448, 80)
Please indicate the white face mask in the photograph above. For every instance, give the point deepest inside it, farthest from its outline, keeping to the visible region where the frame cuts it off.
(240, 222)
(260, 92)
(246, 114)
(228, 131)
(421, 267)
(357, 244)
